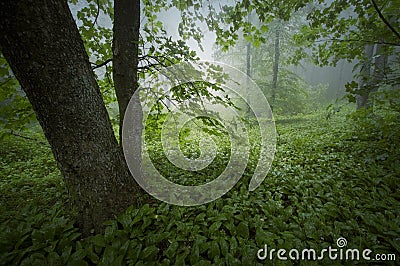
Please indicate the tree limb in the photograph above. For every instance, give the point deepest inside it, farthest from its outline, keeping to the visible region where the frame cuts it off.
(98, 12)
(5, 82)
(102, 64)
(12, 132)
(360, 41)
(384, 19)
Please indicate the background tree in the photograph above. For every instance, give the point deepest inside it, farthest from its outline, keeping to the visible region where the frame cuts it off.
(272, 57)
(333, 30)
(363, 31)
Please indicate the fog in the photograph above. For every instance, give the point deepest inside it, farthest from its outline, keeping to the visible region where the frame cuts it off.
(334, 78)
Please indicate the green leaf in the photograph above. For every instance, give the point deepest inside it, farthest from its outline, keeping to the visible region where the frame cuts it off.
(214, 228)
(243, 229)
(171, 250)
(149, 252)
(223, 246)
(78, 256)
(98, 240)
(213, 251)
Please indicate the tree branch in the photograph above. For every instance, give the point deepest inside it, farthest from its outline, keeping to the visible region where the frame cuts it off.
(102, 64)
(5, 82)
(384, 19)
(360, 41)
(12, 132)
(98, 12)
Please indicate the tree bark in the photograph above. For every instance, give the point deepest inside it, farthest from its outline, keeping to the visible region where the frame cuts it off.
(381, 59)
(248, 70)
(276, 65)
(125, 70)
(125, 52)
(365, 77)
(369, 80)
(42, 44)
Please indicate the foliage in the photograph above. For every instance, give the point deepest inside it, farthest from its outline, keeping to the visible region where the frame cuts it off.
(39, 237)
(341, 29)
(344, 29)
(29, 174)
(293, 94)
(331, 178)
(328, 180)
(15, 109)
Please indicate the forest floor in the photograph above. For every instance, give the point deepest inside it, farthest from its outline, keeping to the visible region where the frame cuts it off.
(331, 178)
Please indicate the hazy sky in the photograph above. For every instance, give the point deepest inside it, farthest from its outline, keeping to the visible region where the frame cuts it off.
(169, 18)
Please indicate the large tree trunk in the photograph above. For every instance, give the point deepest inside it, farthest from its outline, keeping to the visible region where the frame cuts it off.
(42, 44)
(125, 52)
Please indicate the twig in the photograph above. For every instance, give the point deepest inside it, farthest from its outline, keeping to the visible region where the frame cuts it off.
(102, 64)
(5, 82)
(28, 138)
(97, 15)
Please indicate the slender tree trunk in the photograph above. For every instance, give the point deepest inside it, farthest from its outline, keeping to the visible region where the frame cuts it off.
(276, 65)
(42, 44)
(125, 52)
(125, 70)
(378, 75)
(365, 77)
(369, 82)
(248, 60)
(381, 59)
(248, 68)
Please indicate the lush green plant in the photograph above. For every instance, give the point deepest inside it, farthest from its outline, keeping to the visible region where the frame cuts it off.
(37, 236)
(328, 180)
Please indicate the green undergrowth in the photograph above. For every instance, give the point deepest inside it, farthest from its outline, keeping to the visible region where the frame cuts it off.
(331, 178)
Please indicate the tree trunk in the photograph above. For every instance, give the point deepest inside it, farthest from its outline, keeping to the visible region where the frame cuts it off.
(42, 44)
(276, 66)
(125, 69)
(381, 59)
(365, 77)
(369, 82)
(248, 70)
(248, 59)
(125, 52)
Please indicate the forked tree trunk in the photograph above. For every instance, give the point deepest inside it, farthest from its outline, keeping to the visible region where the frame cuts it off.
(42, 44)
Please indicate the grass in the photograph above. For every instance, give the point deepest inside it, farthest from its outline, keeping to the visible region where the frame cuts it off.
(328, 180)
